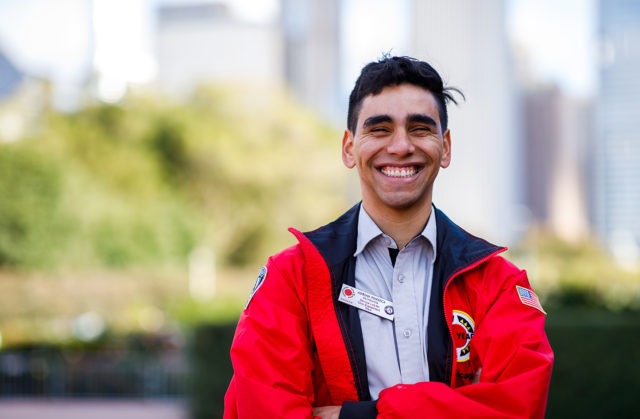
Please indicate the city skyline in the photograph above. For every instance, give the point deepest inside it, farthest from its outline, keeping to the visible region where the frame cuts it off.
(542, 28)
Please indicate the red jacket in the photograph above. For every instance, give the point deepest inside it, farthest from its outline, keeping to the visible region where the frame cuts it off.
(297, 347)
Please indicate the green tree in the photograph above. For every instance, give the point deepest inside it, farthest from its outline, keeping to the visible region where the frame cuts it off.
(32, 228)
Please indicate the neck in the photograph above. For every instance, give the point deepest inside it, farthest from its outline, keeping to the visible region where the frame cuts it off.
(400, 225)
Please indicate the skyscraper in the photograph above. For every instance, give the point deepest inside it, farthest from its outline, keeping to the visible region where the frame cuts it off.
(10, 76)
(617, 152)
(204, 42)
(558, 130)
(312, 53)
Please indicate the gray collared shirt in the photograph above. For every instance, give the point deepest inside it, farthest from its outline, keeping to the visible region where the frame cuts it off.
(396, 351)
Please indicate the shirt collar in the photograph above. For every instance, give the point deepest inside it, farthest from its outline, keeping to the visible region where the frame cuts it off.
(368, 230)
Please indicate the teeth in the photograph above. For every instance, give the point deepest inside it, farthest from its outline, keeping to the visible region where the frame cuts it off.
(399, 171)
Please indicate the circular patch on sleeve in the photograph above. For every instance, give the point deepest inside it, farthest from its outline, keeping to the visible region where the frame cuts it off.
(463, 328)
(262, 275)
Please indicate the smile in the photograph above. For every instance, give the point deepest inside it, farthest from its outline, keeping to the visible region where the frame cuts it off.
(399, 172)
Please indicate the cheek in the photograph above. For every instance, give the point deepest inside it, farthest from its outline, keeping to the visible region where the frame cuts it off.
(366, 150)
(433, 149)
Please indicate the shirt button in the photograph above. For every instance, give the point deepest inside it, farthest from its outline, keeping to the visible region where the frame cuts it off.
(401, 278)
(407, 333)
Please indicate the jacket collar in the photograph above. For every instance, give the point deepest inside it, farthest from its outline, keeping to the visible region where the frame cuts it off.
(457, 249)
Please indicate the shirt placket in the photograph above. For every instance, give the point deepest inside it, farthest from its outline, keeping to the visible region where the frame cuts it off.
(406, 321)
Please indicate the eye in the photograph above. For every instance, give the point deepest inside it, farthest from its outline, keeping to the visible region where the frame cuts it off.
(422, 130)
(379, 130)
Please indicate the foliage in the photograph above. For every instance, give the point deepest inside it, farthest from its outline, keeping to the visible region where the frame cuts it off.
(220, 310)
(146, 181)
(210, 368)
(32, 227)
(577, 274)
(594, 375)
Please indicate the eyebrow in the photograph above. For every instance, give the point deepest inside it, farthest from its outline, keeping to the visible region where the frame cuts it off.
(422, 118)
(376, 119)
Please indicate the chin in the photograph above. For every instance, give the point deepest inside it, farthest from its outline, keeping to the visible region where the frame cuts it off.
(402, 204)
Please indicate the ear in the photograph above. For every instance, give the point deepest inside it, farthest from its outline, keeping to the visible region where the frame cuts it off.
(446, 150)
(347, 150)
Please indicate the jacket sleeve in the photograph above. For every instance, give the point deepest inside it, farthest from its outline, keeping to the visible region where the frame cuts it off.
(509, 348)
(271, 351)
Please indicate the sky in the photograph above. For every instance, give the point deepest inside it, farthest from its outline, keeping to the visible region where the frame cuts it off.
(546, 29)
(363, 38)
(38, 43)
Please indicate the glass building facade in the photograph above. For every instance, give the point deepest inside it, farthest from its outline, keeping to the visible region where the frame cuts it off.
(617, 149)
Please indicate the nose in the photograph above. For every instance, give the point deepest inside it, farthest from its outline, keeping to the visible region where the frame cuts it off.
(400, 144)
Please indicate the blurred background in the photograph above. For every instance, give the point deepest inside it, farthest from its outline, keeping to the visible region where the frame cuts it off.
(153, 153)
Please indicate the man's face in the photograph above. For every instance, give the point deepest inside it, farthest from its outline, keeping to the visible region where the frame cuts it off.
(398, 148)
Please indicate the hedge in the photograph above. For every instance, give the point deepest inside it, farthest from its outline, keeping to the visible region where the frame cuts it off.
(210, 369)
(596, 373)
(597, 364)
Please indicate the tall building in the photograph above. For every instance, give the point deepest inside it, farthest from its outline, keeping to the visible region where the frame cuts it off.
(10, 76)
(466, 42)
(542, 128)
(557, 131)
(312, 57)
(570, 188)
(23, 100)
(617, 153)
(204, 42)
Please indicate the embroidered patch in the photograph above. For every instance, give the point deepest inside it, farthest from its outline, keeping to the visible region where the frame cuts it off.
(529, 298)
(462, 328)
(259, 281)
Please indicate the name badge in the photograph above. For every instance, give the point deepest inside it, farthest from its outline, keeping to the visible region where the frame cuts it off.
(367, 302)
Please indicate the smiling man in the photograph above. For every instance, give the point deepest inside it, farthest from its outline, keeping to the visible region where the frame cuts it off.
(392, 310)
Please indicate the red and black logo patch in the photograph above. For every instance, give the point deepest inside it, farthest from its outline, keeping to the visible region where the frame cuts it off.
(462, 328)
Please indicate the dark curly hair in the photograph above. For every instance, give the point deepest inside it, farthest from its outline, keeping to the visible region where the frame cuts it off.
(393, 71)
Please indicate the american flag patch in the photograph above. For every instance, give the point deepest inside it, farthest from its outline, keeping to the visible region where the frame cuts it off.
(529, 298)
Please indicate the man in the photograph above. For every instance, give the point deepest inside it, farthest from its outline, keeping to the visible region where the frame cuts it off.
(392, 310)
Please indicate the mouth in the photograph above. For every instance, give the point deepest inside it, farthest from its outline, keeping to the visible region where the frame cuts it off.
(400, 172)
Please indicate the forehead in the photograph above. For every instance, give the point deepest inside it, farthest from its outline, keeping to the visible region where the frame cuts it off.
(398, 102)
